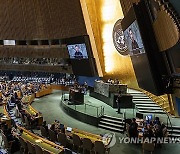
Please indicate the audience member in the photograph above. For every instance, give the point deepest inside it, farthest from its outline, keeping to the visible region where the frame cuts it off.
(133, 132)
(45, 126)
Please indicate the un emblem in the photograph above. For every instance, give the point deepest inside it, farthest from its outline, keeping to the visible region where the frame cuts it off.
(118, 39)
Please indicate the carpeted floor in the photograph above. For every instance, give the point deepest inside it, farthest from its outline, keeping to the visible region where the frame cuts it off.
(50, 107)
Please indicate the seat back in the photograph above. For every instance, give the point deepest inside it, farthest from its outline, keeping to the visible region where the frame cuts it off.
(22, 117)
(76, 140)
(31, 148)
(67, 151)
(43, 131)
(87, 144)
(99, 147)
(46, 152)
(27, 122)
(62, 139)
(52, 135)
(6, 143)
(38, 149)
(23, 143)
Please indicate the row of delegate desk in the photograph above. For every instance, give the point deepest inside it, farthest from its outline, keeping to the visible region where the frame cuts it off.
(42, 142)
(92, 137)
(27, 134)
(5, 118)
(33, 138)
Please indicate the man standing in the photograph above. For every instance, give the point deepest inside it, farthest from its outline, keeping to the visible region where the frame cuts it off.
(118, 101)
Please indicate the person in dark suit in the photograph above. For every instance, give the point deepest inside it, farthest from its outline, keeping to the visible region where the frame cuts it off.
(45, 126)
(134, 44)
(78, 53)
(133, 128)
(118, 102)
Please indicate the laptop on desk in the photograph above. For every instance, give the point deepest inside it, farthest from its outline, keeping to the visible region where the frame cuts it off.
(69, 129)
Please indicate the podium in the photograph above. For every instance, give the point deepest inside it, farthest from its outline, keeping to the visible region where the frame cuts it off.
(76, 97)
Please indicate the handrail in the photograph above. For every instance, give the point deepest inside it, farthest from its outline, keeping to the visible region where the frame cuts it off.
(155, 100)
(97, 108)
(168, 118)
(98, 114)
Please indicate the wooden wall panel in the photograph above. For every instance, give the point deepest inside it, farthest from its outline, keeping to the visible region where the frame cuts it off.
(3, 18)
(127, 4)
(45, 18)
(36, 68)
(166, 32)
(34, 52)
(28, 15)
(41, 19)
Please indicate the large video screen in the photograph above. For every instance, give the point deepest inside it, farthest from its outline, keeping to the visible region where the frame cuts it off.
(77, 51)
(133, 39)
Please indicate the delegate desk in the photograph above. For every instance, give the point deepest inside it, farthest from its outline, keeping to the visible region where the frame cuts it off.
(60, 87)
(32, 112)
(5, 116)
(42, 142)
(92, 137)
(43, 92)
(76, 97)
(28, 99)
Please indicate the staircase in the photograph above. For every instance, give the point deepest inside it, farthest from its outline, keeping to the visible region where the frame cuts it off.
(112, 123)
(174, 131)
(145, 105)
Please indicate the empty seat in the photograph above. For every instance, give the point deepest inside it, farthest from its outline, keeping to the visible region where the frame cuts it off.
(62, 139)
(38, 149)
(43, 131)
(47, 152)
(87, 145)
(52, 135)
(100, 148)
(31, 148)
(23, 144)
(77, 141)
